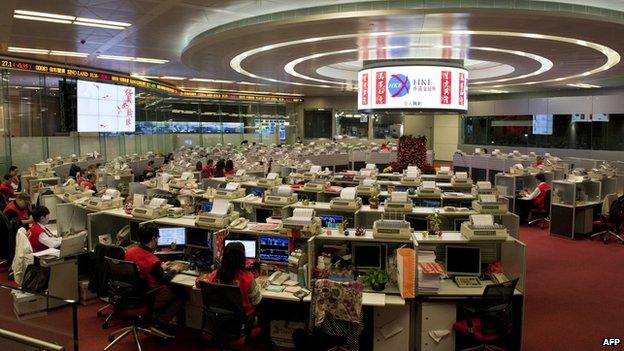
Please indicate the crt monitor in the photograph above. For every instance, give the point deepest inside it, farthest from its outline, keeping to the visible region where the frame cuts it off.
(330, 221)
(259, 192)
(463, 260)
(417, 224)
(250, 247)
(366, 256)
(262, 214)
(276, 249)
(431, 203)
(168, 236)
(206, 206)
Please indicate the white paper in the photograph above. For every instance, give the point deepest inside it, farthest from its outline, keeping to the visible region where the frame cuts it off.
(303, 213)
(477, 150)
(518, 166)
(428, 184)
(487, 198)
(438, 335)
(272, 176)
(368, 182)
(371, 166)
(112, 192)
(484, 185)
(138, 200)
(220, 207)
(391, 329)
(482, 220)
(106, 198)
(348, 193)
(157, 202)
(461, 175)
(284, 190)
(365, 173)
(232, 186)
(411, 174)
(412, 169)
(445, 169)
(315, 169)
(48, 252)
(399, 196)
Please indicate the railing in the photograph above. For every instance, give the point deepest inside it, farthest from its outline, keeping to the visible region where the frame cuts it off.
(27, 341)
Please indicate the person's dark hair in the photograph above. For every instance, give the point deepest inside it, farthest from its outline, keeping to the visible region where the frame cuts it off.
(7, 177)
(12, 168)
(541, 177)
(91, 176)
(147, 232)
(39, 212)
(198, 166)
(150, 162)
(219, 168)
(74, 170)
(232, 262)
(210, 161)
(229, 165)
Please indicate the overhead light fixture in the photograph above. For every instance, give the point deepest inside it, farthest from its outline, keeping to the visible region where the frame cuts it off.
(115, 57)
(251, 83)
(583, 85)
(172, 78)
(492, 91)
(44, 14)
(28, 50)
(140, 76)
(67, 19)
(99, 21)
(43, 19)
(99, 25)
(211, 80)
(68, 53)
(149, 60)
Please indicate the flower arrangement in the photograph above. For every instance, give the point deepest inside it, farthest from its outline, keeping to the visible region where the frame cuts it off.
(412, 151)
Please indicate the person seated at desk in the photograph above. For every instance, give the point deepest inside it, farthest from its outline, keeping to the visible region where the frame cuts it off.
(89, 182)
(168, 299)
(539, 162)
(6, 188)
(13, 171)
(208, 170)
(220, 169)
(18, 208)
(537, 196)
(40, 237)
(232, 272)
(229, 168)
(149, 171)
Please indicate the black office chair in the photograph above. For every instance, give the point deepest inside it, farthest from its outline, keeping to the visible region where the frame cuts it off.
(98, 281)
(490, 322)
(130, 299)
(541, 215)
(224, 322)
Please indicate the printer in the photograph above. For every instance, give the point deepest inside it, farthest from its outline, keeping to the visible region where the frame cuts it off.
(73, 193)
(391, 229)
(411, 176)
(368, 187)
(490, 204)
(482, 227)
(578, 175)
(280, 195)
(272, 179)
(315, 185)
(231, 191)
(444, 172)
(461, 179)
(220, 216)
(156, 208)
(398, 202)
(304, 220)
(111, 199)
(42, 170)
(428, 189)
(240, 176)
(483, 187)
(186, 180)
(347, 201)
(370, 172)
(312, 173)
(518, 169)
(175, 212)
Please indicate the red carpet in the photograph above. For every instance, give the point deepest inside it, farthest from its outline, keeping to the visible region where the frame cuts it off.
(573, 300)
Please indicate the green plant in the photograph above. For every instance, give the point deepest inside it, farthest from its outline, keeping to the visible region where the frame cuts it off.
(376, 277)
(435, 220)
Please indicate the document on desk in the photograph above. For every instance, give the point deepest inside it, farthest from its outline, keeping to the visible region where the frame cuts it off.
(487, 198)
(220, 207)
(51, 252)
(272, 176)
(484, 185)
(184, 279)
(373, 299)
(303, 214)
(479, 220)
(399, 196)
(348, 193)
(232, 186)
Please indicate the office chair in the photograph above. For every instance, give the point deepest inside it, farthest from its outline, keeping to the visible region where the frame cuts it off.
(224, 322)
(609, 225)
(98, 281)
(541, 215)
(131, 299)
(490, 321)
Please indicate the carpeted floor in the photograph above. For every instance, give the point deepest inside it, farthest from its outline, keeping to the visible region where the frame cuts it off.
(573, 300)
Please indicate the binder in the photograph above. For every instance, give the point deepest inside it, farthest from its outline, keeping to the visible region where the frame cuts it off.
(406, 277)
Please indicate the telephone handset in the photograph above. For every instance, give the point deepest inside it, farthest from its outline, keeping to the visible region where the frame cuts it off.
(239, 223)
(278, 278)
(498, 278)
(250, 197)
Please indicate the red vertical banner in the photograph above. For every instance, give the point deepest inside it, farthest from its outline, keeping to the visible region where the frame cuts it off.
(445, 88)
(364, 89)
(380, 88)
(462, 89)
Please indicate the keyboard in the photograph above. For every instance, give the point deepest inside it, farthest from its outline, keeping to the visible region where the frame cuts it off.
(468, 282)
(190, 272)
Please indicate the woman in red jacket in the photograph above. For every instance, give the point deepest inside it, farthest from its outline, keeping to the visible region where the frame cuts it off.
(40, 237)
(229, 168)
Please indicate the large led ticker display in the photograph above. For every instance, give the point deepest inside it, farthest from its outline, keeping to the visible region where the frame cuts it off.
(413, 88)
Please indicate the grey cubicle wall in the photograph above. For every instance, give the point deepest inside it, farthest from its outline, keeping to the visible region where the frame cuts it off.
(70, 218)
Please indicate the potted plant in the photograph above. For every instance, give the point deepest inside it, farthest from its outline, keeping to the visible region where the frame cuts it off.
(434, 220)
(342, 227)
(376, 278)
(411, 191)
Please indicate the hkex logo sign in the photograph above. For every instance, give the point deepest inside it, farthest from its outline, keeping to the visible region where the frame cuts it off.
(398, 85)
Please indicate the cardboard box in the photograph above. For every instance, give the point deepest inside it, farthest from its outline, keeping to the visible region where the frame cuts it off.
(281, 332)
(28, 306)
(86, 296)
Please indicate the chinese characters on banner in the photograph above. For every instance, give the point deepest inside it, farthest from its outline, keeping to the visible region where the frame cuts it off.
(462, 89)
(364, 89)
(445, 90)
(380, 88)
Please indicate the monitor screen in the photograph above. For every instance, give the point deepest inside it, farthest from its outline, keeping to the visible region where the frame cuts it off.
(431, 203)
(105, 107)
(367, 256)
(400, 189)
(543, 124)
(168, 236)
(274, 249)
(417, 224)
(257, 191)
(206, 206)
(250, 247)
(330, 221)
(463, 260)
(262, 214)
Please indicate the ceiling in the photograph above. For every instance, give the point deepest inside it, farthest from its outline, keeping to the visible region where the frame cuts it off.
(316, 47)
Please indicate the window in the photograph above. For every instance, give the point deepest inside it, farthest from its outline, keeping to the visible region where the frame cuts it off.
(352, 124)
(317, 124)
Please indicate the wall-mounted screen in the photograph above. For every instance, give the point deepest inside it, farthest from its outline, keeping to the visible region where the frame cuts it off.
(413, 88)
(543, 124)
(589, 117)
(105, 107)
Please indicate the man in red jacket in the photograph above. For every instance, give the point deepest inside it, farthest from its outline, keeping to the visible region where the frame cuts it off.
(168, 300)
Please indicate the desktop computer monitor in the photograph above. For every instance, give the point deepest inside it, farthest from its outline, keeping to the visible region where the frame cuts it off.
(400, 188)
(417, 224)
(250, 247)
(365, 256)
(330, 221)
(262, 214)
(206, 206)
(168, 236)
(259, 192)
(463, 260)
(274, 249)
(431, 203)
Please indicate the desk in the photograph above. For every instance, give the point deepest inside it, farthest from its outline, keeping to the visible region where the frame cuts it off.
(569, 220)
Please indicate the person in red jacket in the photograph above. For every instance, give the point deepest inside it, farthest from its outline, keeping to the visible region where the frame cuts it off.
(6, 188)
(40, 237)
(19, 208)
(537, 197)
(168, 299)
(229, 168)
(89, 182)
(209, 170)
(232, 272)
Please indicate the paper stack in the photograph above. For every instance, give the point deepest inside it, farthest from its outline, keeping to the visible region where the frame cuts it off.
(428, 272)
